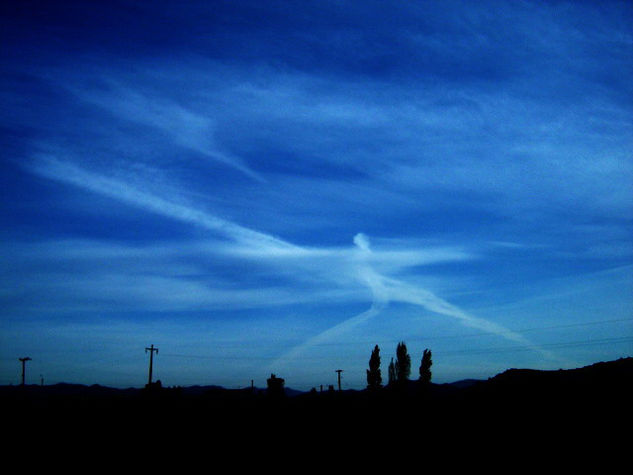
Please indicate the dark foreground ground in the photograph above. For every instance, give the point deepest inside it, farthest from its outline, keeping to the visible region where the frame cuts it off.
(573, 415)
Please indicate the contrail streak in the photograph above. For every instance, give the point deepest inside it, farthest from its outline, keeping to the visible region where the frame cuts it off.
(121, 190)
(385, 290)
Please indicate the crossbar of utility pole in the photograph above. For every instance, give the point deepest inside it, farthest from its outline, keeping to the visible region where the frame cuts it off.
(151, 350)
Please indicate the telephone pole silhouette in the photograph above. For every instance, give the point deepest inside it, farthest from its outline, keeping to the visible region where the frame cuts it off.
(339, 371)
(24, 360)
(151, 350)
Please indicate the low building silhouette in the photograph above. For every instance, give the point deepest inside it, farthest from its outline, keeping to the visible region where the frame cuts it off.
(275, 386)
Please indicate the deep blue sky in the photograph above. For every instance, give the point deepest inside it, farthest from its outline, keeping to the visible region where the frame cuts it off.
(259, 187)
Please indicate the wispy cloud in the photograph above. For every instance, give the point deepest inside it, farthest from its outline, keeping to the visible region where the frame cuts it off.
(68, 172)
(188, 128)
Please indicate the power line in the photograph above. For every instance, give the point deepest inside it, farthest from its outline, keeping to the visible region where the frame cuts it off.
(569, 344)
(441, 353)
(509, 332)
(231, 357)
(550, 327)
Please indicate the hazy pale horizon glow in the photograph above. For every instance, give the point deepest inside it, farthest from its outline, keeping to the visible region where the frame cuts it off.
(265, 187)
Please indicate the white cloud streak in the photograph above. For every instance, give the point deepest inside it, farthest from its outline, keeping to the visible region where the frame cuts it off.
(385, 290)
(70, 173)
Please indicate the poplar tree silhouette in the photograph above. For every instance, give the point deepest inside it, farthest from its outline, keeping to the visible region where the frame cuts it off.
(392, 372)
(374, 378)
(403, 363)
(425, 367)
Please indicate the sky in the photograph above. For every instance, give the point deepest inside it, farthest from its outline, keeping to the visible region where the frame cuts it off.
(277, 187)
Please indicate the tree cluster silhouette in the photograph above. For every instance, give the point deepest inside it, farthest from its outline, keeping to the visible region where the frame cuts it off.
(399, 370)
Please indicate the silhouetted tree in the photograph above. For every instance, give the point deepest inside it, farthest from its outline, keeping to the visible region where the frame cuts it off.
(392, 372)
(425, 367)
(403, 363)
(374, 378)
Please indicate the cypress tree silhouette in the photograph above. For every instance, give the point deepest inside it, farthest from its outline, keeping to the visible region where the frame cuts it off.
(403, 363)
(392, 372)
(425, 367)
(374, 378)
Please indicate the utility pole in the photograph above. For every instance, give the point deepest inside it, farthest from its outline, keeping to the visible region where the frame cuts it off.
(24, 360)
(151, 350)
(339, 371)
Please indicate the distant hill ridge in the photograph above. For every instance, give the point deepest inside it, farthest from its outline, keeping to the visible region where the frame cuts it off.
(615, 371)
(611, 374)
